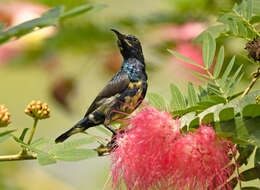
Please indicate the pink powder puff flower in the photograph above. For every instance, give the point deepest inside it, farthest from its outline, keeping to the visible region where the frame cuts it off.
(142, 156)
(201, 160)
(153, 154)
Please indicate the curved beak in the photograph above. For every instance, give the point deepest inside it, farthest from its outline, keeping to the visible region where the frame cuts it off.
(120, 36)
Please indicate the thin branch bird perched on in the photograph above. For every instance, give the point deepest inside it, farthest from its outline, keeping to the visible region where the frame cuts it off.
(123, 93)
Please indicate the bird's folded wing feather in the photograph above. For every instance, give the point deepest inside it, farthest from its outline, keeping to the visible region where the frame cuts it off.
(116, 85)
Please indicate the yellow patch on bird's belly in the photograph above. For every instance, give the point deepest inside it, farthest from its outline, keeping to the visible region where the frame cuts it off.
(131, 102)
(129, 105)
(135, 84)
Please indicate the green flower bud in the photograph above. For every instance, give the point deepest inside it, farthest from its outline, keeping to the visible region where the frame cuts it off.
(38, 110)
(4, 116)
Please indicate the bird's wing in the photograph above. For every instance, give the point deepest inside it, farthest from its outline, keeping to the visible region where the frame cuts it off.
(116, 85)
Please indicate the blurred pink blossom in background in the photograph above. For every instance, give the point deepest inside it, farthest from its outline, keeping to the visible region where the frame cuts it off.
(183, 35)
(16, 13)
(191, 51)
(184, 32)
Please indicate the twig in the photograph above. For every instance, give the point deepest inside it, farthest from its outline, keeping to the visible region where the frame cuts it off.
(252, 83)
(20, 156)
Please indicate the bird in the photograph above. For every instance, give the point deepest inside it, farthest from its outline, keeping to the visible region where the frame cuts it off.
(122, 94)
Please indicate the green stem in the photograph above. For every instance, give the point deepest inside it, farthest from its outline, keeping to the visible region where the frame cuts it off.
(236, 36)
(247, 23)
(33, 130)
(252, 83)
(20, 156)
(217, 84)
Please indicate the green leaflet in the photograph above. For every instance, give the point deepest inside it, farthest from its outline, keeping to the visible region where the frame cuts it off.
(157, 101)
(25, 130)
(192, 96)
(227, 70)
(219, 62)
(184, 58)
(75, 154)
(208, 49)
(250, 174)
(251, 110)
(244, 153)
(70, 145)
(177, 100)
(76, 11)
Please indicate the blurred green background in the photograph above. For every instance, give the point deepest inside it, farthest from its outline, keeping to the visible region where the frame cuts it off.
(68, 65)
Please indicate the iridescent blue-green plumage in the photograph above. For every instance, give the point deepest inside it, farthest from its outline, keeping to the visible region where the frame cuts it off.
(123, 93)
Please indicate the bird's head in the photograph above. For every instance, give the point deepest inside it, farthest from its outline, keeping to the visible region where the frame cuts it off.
(129, 46)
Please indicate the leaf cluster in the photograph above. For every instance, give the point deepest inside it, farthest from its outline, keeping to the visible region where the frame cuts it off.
(238, 22)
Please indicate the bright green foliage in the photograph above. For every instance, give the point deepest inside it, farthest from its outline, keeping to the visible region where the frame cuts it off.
(218, 85)
(178, 101)
(208, 50)
(219, 62)
(157, 101)
(193, 98)
(238, 22)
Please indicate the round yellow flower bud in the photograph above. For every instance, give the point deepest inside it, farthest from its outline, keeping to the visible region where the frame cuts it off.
(38, 110)
(4, 116)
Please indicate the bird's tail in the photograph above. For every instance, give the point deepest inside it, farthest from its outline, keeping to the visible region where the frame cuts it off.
(76, 129)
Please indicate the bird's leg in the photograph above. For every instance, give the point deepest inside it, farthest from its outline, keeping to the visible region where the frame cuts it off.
(107, 125)
(113, 131)
(111, 144)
